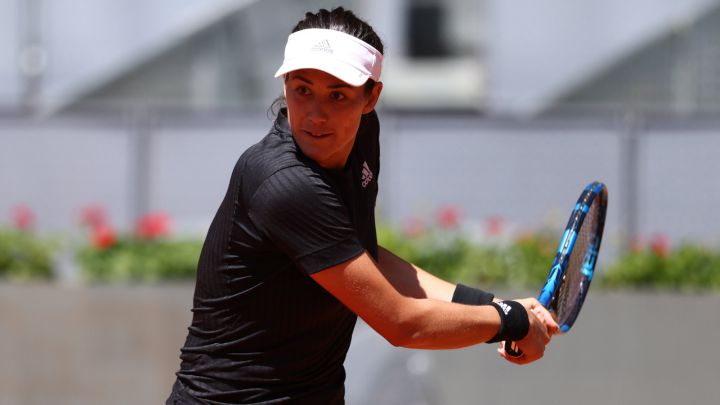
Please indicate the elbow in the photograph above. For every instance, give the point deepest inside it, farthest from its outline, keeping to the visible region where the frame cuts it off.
(406, 325)
(404, 333)
(399, 339)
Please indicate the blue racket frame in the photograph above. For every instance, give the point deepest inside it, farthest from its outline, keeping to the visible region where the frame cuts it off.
(548, 294)
(567, 243)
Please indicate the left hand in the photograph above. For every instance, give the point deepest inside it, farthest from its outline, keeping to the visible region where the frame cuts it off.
(542, 327)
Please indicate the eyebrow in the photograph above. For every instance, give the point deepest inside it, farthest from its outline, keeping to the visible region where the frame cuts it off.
(339, 85)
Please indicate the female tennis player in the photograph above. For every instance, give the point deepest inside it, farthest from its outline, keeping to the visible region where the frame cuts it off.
(291, 257)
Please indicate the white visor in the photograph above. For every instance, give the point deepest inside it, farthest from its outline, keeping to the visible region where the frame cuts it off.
(337, 53)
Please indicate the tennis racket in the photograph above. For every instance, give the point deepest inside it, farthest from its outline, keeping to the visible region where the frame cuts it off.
(572, 270)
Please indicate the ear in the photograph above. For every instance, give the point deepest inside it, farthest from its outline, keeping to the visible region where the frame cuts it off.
(373, 98)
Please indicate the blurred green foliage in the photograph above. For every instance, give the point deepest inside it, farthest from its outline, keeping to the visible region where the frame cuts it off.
(25, 256)
(132, 259)
(524, 262)
(687, 267)
(443, 249)
(451, 255)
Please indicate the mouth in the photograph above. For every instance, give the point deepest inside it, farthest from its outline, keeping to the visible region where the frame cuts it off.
(316, 134)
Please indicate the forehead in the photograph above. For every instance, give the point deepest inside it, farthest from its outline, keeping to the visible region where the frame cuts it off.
(318, 78)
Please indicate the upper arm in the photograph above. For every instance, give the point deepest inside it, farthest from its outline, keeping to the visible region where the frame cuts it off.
(411, 280)
(304, 218)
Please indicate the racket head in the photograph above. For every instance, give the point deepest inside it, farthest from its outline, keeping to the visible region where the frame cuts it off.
(572, 270)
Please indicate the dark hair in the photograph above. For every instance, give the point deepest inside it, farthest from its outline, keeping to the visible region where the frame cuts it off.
(342, 20)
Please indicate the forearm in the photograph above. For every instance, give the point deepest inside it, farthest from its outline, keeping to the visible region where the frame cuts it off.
(433, 324)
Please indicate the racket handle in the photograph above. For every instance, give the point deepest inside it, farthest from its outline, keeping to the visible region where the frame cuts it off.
(512, 349)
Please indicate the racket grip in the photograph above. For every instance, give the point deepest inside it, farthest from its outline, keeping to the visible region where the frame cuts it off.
(512, 349)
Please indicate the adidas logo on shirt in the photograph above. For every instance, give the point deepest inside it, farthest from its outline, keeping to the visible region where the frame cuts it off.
(367, 175)
(322, 46)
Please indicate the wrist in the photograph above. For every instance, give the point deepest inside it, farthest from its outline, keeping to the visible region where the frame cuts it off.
(471, 296)
(514, 322)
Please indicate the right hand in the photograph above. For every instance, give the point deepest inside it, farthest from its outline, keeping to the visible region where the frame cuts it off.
(542, 327)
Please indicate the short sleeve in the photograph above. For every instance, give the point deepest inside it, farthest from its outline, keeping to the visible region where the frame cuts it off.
(304, 216)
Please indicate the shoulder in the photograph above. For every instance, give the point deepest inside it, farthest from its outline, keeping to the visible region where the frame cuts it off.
(298, 200)
(275, 153)
(297, 185)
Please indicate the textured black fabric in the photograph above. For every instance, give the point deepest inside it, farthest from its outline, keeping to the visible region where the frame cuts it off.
(263, 331)
(471, 296)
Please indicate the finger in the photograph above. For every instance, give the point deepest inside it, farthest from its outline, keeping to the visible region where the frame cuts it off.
(530, 303)
(544, 335)
(553, 327)
(542, 310)
(535, 304)
(521, 360)
(548, 319)
(550, 325)
(539, 326)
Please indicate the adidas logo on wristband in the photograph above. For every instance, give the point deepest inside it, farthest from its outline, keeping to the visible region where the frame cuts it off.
(514, 325)
(505, 308)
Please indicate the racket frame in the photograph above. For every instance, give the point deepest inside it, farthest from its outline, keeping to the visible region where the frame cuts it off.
(556, 276)
(555, 279)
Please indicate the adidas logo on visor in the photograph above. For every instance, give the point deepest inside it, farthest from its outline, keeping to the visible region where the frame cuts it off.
(322, 46)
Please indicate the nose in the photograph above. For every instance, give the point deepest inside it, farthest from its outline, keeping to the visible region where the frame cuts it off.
(317, 113)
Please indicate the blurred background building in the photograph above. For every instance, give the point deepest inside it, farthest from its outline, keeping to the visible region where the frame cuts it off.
(498, 57)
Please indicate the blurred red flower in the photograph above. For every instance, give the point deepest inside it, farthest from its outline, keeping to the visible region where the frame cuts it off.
(93, 216)
(153, 225)
(103, 236)
(23, 217)
(448, 217)
(494, 225)
(413, 227)
(660, 244)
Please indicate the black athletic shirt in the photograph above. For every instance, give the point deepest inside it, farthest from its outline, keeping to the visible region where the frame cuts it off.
(263, 332)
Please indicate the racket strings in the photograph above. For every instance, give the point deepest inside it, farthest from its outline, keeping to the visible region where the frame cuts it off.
(571, 291)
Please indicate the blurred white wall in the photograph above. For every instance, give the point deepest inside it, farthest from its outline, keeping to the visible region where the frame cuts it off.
(526, 172)
(10, 84)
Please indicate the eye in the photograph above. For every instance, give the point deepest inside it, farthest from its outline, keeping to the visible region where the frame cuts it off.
(302, 90)
(337, 96)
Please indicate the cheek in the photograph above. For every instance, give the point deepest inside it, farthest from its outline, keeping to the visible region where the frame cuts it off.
(350, 116)
(294, 113)
(350, 127)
